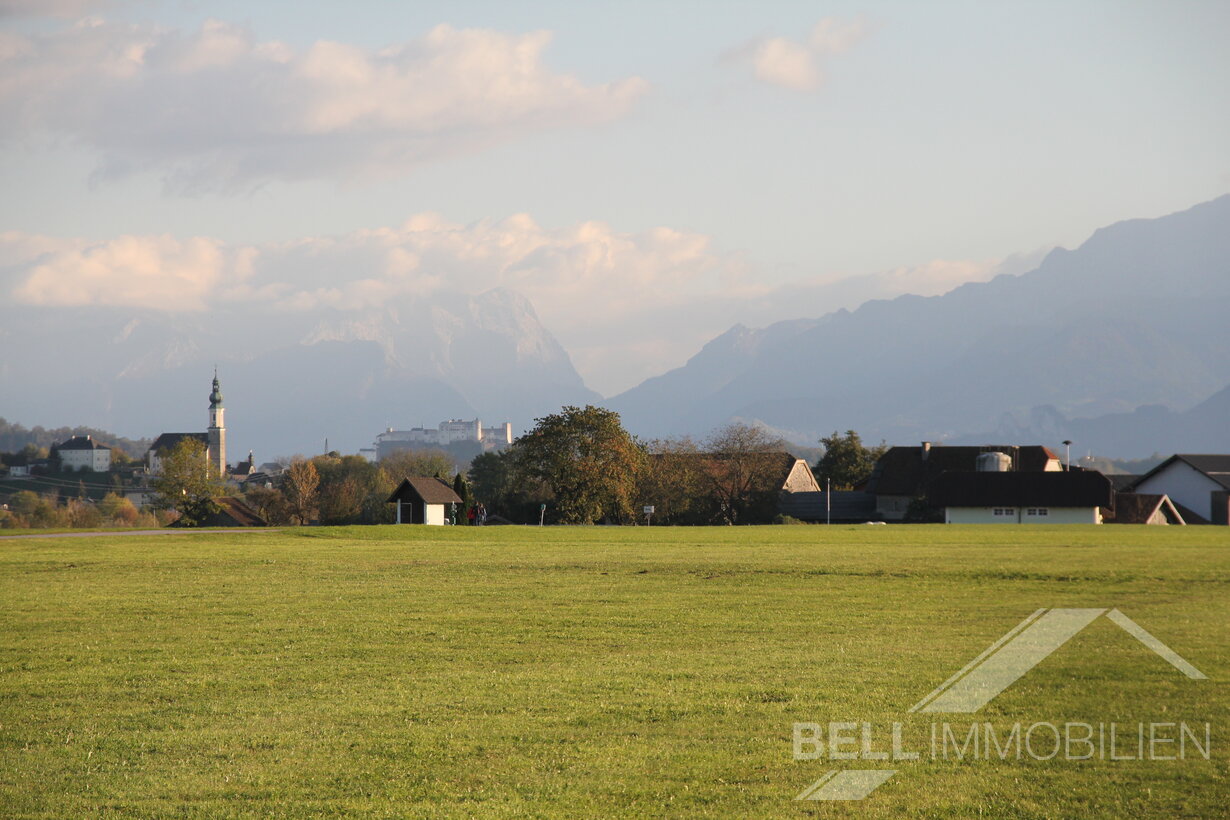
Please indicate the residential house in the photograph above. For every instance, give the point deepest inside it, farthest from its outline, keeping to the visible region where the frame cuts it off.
(1140, 508)
(904, 474)
(1198, 484)
(83, 453)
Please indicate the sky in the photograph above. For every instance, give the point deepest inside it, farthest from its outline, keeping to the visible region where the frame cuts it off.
(646, 173)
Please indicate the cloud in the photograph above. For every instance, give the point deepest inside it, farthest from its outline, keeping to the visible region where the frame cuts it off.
(48, 8)
(625, 305)
(799, 65)
(157, 272)
(219, 110)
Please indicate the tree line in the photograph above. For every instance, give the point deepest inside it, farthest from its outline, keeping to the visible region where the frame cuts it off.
(577, 466)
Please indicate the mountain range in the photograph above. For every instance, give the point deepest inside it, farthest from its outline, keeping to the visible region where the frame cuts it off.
(1136, 316)
(1121, 345)
(290, 381)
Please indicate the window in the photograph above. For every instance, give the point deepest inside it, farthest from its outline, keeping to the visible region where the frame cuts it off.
(1002, 511)
(1039, 512)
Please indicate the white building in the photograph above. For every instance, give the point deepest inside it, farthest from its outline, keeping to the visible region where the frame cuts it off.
(445, 434)
(214, 438)
(1197, 483)
(991, 497)
(84, 453)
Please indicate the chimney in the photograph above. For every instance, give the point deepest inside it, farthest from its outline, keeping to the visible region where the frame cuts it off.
(926, 450)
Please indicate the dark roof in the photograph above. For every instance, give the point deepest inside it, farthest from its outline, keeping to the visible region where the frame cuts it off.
(1085, 488)
(1215, 466)
(1138, 508)
(235, 513)
(168, 441)
(1122, 481)
(847, 506)
(905, 470)
(426, 490)
(82, 443)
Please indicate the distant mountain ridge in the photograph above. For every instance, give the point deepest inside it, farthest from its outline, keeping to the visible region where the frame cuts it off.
(1136, 315)
(290, 380)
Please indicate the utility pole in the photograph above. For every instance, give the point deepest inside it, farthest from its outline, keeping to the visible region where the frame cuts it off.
(828, 501)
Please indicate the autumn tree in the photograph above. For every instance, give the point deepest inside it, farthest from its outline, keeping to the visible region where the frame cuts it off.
(300, 489)
(846, 462)
(406, 463)
(743, 466)
(269, 503)
(674, 481)
(588, 461)
(352, 490)
(186, 484)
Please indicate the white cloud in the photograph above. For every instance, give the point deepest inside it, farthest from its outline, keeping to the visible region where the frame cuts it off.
(158, 272)
(218, 109)
(799, 65)
(625, 305)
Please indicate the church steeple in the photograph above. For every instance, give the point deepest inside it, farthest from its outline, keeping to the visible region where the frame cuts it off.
(217, 429)
(215, 398)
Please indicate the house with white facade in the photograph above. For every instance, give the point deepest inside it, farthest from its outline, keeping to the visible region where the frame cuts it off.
(84, 453)
(1076, 497)
(904, 474)
(424, 500)
(1198, 484)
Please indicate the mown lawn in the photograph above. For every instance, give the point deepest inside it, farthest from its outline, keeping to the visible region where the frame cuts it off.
(586, 672)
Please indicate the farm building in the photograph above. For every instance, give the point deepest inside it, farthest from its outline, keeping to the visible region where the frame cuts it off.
(1022, 498)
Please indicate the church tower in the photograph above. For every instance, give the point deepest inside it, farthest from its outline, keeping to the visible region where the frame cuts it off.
(217, 430)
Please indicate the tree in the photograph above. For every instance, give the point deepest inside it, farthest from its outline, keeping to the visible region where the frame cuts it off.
(118, 509)
(742, 472)
(269, 502)
(462, 488)
(302, 481)
(352, 490)
(846, 461)
(406, 463)
(674, 482)
(588, 461)
(187, 485)
(496, 481)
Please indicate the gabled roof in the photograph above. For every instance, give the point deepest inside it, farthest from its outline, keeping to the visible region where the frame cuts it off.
(1215, 466)
(82, 443)
(908, 470)
(425, 489)
(168, 441)
(235, 513)
(1083, 488)
(1122, 482)
(1138, 508)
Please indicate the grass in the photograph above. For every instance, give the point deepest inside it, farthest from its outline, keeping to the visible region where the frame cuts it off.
(585, 672)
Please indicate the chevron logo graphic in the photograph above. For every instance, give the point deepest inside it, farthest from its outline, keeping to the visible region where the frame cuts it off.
(994, 670)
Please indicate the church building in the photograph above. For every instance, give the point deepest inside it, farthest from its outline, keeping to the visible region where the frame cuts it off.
(214, 438)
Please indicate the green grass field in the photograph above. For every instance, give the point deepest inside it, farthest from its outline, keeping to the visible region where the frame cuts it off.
(567, 672)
